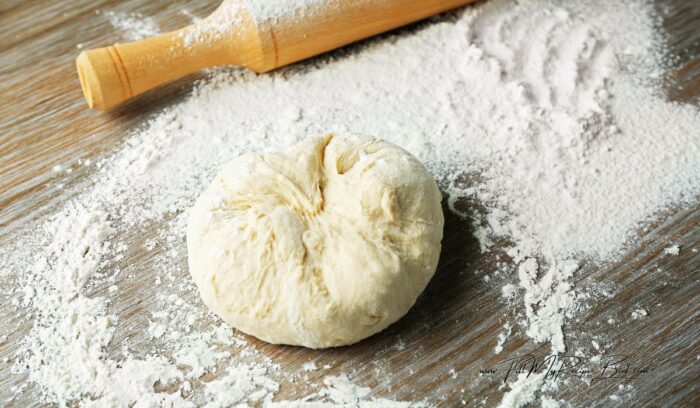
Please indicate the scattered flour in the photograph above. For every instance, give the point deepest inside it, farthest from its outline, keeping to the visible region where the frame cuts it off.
(548, 402)
(273, 11)
(240, 384)
(509, 291)
(502, 337)
(523, 390)
(310, 366)
(639, 313)
(544, 112)
(79, 239)
(672, 250)
(340, 392)
(226, 19)
(549, 298)
(133, 26)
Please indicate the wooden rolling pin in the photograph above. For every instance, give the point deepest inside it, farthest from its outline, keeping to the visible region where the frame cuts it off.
(249, 33)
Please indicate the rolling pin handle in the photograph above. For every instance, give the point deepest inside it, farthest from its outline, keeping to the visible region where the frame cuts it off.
(103, 78)
(114, 74)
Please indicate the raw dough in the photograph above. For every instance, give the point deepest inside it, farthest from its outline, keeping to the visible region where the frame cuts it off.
(322, 246)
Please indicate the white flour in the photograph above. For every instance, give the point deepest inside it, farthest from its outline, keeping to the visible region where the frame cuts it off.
(271, 11)
(546, 107)
(227, 17)
(339, 392)
(672, 250)
(133, 26)
(523, 390)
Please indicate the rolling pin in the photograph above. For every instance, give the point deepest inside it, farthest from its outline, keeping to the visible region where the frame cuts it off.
(260, 35)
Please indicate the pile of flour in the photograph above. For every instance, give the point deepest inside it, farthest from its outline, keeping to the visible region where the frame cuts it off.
(548, 113)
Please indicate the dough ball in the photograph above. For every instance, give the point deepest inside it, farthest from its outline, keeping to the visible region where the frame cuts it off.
(321, 246)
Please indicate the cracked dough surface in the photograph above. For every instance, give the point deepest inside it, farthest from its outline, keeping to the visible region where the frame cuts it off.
(320, 246)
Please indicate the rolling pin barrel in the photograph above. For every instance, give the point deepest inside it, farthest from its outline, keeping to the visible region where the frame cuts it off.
(114, 74)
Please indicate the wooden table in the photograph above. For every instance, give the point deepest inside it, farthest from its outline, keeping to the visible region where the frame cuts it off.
(450, 334)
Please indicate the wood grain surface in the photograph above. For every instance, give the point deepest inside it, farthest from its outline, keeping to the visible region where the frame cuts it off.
(437, 351)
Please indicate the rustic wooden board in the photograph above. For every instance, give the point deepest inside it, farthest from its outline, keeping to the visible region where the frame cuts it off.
(450, 334)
